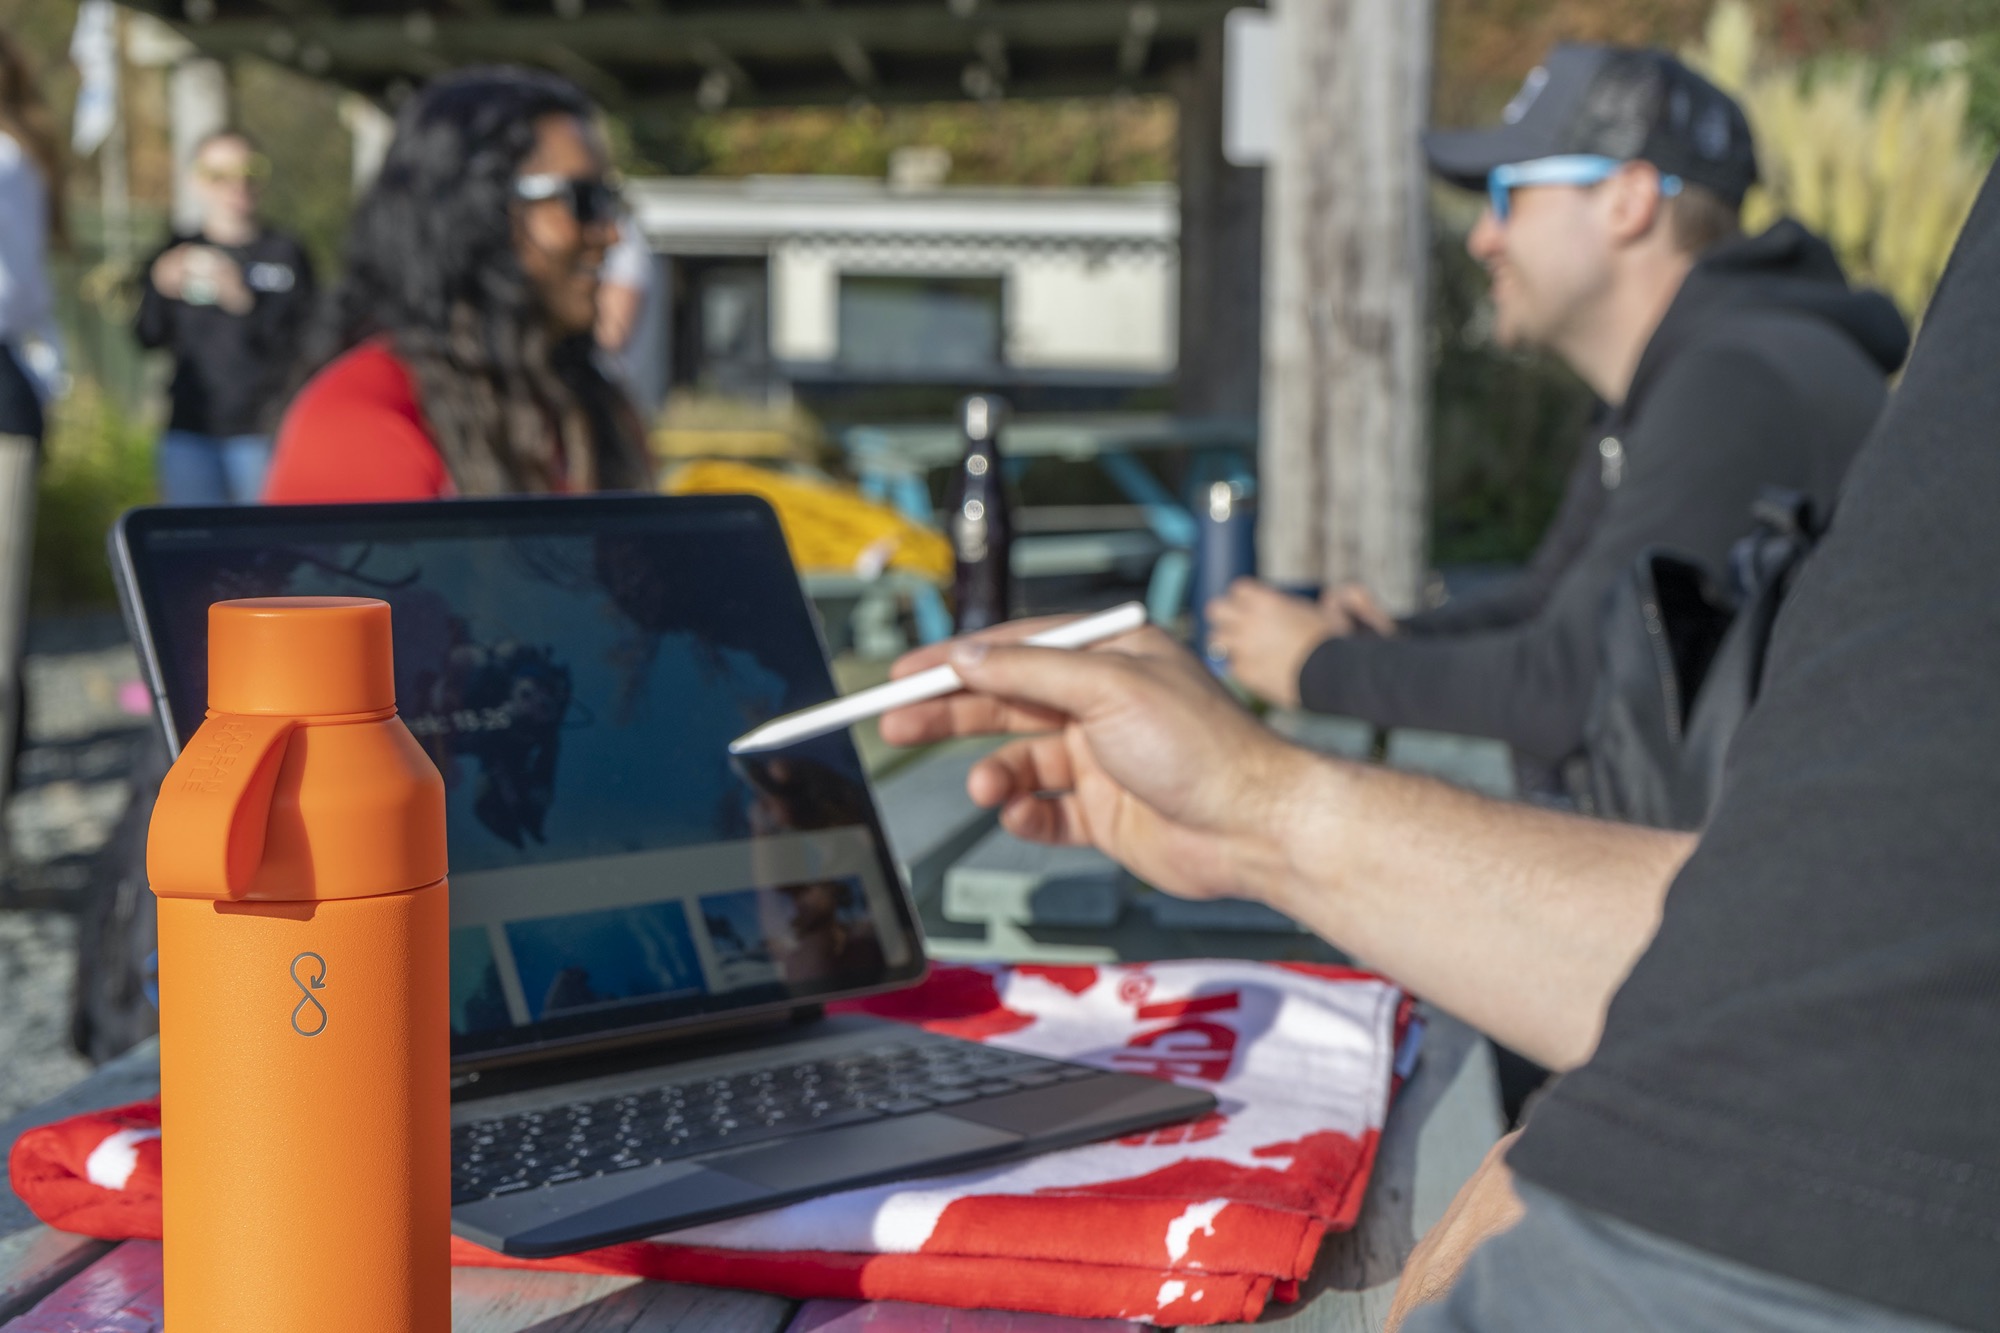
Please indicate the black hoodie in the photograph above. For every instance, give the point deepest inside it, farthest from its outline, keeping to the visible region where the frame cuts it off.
(1767, 370)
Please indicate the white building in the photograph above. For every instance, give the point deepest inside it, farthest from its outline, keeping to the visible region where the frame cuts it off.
(832, 286)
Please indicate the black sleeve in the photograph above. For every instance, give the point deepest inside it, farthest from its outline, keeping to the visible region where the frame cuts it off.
(292, 310)
(154, 324)
(1717, 429)
(1793, 1074)
(1521, 595)
(276, 313)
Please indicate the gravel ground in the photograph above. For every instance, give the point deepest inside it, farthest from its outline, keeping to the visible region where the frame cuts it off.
(37, 963)
(81, 737)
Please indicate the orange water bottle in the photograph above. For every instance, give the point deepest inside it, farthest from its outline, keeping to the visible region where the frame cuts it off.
(298, 854)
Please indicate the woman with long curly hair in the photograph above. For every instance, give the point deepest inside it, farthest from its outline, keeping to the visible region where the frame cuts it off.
(457, 354)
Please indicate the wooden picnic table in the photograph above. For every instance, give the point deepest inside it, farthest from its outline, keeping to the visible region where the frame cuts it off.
(1439, 1127)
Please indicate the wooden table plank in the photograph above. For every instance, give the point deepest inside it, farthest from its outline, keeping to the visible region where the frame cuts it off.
(1439, 1129)
(498, 1301)
(905, 1317)
(930, 820)
(1005, 879)
(35, 1262)
(121, 1293)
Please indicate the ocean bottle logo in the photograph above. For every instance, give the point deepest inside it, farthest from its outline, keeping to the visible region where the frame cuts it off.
(309, 1016)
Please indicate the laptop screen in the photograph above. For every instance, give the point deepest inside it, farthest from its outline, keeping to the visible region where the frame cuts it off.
(577, 668)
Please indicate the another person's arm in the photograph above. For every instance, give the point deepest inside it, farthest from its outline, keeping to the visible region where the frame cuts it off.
(1722, 427)
(1520, 596)
(354, 434)
(618, 310)
(625, 284)
(1268, 636)
(1520, 921)
(159, 288)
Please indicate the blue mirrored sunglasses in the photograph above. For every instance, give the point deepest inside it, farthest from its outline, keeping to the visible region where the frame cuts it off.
(1570, 169)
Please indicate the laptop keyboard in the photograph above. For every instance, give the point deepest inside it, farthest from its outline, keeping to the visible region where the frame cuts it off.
(662, 1124)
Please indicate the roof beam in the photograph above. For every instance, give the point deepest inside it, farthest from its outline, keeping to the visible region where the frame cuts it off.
(588, 75)
(1141, 22)
(852, 57)
(849, 54)
(722, 38)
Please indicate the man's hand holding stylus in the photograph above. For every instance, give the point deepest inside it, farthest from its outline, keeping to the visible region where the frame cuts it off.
(1131, 747)
(1521, 921)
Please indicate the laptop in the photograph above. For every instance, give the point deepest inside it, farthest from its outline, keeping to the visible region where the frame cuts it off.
(645, 932)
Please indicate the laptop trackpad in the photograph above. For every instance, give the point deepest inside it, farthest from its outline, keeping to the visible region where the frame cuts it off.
(854, 1152)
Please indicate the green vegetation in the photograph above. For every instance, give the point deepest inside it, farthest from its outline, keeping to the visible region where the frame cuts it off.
(1504, 426)
(1881, 158)
(1880, 114)
(1108, 141)
(97, 464)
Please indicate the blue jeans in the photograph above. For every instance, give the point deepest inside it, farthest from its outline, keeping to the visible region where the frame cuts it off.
(211, 470)
(1565, 1267)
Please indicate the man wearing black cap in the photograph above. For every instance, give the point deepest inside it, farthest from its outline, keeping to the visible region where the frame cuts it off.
(1727, 364)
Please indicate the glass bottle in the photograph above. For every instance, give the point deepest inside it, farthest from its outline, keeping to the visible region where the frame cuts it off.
(981, 526)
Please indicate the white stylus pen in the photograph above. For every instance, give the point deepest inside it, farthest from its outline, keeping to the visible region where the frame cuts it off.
(932, 684)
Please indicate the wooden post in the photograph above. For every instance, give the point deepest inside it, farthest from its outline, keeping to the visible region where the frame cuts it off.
(1221, 252)
(1346, 382)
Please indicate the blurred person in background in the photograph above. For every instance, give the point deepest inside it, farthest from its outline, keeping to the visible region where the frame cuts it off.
(625, 287)
(459, 358)
(230, 302)
(31, 213)
(625, 294)
(1727, 364)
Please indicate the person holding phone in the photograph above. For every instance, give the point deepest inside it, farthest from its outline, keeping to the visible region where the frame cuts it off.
(230, 301)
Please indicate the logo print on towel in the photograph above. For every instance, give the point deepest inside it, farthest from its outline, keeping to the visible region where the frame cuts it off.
(304, 1023)
(1185, 1045)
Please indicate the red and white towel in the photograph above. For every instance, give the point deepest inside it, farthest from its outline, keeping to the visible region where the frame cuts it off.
(1194, 1224)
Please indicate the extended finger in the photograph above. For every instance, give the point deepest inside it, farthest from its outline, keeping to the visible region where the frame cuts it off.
(962, 714)
(1360, 604)
(1030, 767)
(1045, 819)
(1061, 682)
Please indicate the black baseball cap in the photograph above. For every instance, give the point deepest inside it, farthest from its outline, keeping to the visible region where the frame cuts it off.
(1610, 101)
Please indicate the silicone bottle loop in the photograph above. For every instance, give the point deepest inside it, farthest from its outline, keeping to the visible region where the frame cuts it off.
(208, 828)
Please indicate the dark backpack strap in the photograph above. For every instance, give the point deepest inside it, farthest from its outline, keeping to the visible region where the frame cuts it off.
(1681, 662)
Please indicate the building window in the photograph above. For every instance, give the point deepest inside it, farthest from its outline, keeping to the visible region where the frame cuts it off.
(920, 323)
(721, 328)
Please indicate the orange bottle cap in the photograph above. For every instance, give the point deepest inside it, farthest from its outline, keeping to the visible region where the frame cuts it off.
(302, 784)
(300, 657)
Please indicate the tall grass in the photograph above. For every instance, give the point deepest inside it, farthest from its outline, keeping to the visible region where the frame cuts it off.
(1881, 159)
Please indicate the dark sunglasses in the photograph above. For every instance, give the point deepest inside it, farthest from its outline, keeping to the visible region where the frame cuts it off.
(592, 202)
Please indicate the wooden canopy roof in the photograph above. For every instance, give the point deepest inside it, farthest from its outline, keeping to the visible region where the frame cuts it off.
(709, 54)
